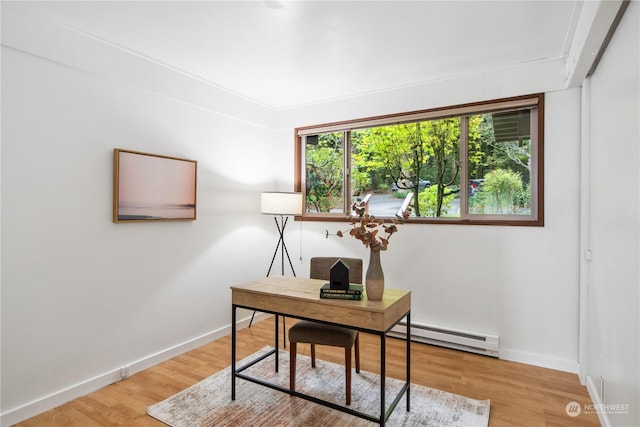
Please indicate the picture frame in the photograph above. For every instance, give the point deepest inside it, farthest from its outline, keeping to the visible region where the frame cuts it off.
(153, 187)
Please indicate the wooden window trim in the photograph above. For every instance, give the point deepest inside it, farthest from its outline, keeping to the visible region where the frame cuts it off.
(435, 113)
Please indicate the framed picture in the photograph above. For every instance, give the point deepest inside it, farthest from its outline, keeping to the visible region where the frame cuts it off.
(151, 187)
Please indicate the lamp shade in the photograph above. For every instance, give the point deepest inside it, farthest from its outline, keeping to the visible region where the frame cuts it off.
(281, 203)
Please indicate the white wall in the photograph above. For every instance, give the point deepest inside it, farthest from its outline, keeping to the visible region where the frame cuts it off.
(613, 342)
(520, 283)
(82, 296)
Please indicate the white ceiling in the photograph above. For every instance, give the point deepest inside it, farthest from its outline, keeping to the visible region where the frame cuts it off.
(290, 53)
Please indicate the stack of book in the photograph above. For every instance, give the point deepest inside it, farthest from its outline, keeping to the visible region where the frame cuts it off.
(354, 292)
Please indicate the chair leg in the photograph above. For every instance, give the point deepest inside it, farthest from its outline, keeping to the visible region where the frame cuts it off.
(293, 351)
(313, 355)
(347, 369)
(357, 346)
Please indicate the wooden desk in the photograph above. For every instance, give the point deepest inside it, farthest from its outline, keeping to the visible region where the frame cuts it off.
(300, 298)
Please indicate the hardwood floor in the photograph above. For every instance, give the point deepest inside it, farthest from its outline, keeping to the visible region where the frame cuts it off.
(521, 395)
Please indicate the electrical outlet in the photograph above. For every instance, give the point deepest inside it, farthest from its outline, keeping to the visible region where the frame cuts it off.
(124, 372)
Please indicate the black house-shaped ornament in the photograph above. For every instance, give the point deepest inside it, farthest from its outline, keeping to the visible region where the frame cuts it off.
(339, 275)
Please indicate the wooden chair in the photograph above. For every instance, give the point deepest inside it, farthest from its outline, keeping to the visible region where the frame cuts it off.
(315, 333)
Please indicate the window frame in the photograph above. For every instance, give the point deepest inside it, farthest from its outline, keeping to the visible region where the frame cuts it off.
(536, 101)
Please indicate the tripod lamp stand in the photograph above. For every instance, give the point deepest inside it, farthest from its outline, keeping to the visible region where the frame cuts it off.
(283, 205)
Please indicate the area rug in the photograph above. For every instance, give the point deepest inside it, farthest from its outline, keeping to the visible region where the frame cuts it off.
(208, 403)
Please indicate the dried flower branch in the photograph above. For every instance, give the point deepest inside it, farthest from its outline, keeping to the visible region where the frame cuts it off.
(367, 228)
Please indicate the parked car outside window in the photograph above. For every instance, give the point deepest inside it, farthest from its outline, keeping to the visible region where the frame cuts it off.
(422, 184)
(474, 186)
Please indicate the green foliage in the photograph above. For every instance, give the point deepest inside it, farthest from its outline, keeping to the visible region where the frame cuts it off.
(514, 155)
(444, 140)
(395, 149)
(406, 153)
(324, 171)
(480, 138)
(522, 198)
(499, 190)
(363, 166)
(429, 206)
(383, 187)
(400, 194)
(486, 154)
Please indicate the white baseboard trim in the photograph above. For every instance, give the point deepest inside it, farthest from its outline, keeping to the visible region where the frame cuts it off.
(594, 393)
(536, 359)
(43, 404)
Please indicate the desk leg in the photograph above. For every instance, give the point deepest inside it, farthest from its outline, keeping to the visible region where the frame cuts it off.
(276, 339)
(409, 361)
(383, 376)
(233, 352)
(284, 331)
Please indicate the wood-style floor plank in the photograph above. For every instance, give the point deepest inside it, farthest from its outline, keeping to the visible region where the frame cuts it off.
(521, 395)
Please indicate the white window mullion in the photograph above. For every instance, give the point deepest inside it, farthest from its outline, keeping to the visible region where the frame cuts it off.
(464, 167)
(303, 172)
(346, 186)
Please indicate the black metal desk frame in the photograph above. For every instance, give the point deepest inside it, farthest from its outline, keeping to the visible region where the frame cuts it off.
(385, 413)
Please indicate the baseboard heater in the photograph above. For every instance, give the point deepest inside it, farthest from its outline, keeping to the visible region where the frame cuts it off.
(458, 340)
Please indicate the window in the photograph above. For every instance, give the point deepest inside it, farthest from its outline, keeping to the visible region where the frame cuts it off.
(476, 163)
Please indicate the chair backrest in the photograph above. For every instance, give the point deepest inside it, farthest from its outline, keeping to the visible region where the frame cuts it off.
(320, 267)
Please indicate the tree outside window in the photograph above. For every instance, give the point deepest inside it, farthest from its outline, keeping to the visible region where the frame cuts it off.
(466, 167)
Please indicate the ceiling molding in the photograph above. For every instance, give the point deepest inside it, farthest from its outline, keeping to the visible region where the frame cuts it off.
(41, 37)
(290, 54)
